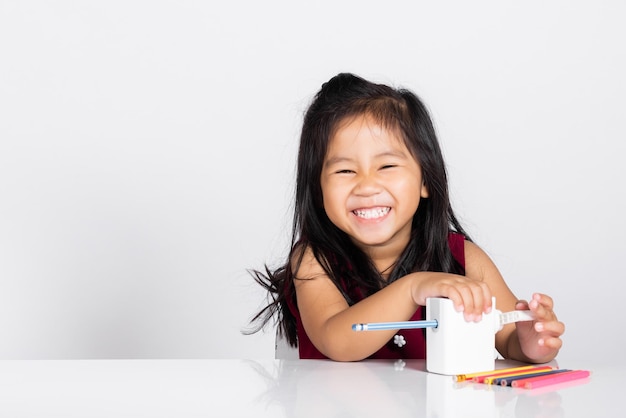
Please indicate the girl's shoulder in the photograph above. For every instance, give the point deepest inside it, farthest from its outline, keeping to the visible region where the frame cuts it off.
(478, 264)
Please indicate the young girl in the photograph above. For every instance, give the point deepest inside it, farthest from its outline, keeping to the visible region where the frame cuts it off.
(374, 236)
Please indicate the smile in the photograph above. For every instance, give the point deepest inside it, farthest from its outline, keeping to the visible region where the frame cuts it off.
(373, 213)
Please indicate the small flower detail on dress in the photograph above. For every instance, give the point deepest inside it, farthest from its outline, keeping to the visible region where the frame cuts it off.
(399, 340)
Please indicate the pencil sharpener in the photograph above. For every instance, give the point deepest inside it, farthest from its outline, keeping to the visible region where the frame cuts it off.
(456, 346)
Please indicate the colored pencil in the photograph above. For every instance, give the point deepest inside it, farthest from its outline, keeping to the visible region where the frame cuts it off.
(470, 376)
(506, 381)
(537, 382)
(378, 326)
(490, 378)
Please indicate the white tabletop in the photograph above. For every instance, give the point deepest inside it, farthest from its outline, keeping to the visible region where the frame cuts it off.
(283, 388)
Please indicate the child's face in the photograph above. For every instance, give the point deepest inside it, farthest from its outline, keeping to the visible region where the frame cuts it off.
(371, 185)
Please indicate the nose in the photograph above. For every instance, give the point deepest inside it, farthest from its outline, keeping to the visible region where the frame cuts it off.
(368, 185)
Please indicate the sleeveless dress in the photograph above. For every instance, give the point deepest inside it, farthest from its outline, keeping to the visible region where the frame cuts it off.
(406, 344)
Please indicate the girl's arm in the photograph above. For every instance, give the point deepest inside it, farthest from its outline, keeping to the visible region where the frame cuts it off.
(535, 341)
(328, 319)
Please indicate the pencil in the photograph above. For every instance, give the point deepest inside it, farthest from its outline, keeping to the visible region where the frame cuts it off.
(488, 379)
(507, 380)
(378, 326)
(537, 382)
(470, 376)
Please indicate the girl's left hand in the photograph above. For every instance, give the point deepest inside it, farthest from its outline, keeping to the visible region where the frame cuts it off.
(540, 339)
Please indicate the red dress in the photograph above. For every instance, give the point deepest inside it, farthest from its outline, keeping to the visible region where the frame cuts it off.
(414, 346)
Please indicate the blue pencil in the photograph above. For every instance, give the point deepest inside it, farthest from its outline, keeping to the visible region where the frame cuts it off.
(378, 326)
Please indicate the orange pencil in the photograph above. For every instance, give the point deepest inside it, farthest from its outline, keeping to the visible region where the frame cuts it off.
(490, 378)
(470, 376)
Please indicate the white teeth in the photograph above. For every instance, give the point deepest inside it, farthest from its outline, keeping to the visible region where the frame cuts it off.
(371, 213)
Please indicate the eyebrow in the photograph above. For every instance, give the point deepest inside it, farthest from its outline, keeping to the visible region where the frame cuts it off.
(340, 159)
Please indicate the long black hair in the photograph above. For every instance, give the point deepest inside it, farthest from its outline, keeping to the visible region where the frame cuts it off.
(343, 96)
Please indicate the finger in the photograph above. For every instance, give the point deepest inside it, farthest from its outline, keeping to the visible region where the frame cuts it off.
(554, 328)
(544, 300)
(542, 311)
(486, 297)
(521, 305)
(551, 342)
(451, 291)
(478, 295)
(476, 298)
(466, 301)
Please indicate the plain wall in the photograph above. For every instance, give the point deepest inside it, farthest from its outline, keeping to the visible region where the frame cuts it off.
(147, 154)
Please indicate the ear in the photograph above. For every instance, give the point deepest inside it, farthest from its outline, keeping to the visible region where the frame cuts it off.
(423, 191)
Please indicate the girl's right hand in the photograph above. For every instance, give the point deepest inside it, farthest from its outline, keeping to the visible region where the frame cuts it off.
(472, 297)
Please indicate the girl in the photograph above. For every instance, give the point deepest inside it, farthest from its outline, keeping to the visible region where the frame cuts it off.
(374, 236)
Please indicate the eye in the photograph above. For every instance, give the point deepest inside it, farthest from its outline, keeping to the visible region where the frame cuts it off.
(388, 166)
(344, 171)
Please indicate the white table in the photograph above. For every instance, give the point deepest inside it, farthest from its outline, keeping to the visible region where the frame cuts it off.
(284, 388)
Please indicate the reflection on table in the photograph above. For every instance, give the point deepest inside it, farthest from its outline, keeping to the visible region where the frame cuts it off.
(284, 388)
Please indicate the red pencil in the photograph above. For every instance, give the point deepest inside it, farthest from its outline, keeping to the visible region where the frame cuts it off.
(539, 381)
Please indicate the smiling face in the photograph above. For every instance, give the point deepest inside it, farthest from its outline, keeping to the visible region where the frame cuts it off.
(371, 186)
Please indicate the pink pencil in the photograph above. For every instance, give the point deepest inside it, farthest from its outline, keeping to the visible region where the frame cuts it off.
(539, 381)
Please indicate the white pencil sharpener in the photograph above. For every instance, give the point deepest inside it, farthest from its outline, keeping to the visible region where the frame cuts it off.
(456, 346)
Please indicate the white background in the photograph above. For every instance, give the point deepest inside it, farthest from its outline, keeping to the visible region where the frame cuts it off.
(147, 155)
